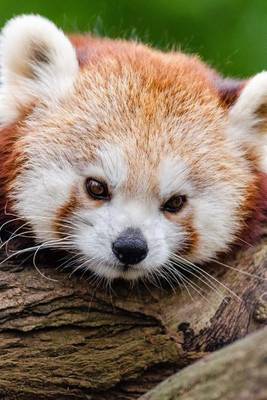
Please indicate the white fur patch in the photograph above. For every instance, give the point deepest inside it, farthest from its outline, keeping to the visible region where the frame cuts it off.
(106, 223)
(242, 116)
(174, 178)
(113, 162)
(251, 98)
(244, 119)
(110, 165)
(37, 62)
(215, 221)
(39, 195)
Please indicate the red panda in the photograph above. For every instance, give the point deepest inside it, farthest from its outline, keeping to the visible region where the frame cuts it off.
(126, 156)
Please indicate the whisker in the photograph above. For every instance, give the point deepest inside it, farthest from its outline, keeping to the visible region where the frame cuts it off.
(261, 278)
(202, 278)
(185, 284)
(37, 269)
(194, 286)
(208, 276)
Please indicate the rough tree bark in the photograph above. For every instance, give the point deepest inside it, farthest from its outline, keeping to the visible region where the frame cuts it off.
(63, 339)
(237, 372)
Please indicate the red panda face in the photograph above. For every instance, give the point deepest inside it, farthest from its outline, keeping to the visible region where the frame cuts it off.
(132, 160)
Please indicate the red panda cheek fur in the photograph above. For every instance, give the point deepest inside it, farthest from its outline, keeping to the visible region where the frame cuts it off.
(253, 227)
(12, 159)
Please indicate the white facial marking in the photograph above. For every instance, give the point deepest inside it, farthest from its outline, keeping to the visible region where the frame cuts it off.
(110, 166)
(174, 178)
(113, 162)
(110, 220)
(39, 194)
(213, 220)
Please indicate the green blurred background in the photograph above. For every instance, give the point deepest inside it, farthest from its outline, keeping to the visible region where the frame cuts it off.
(229, 34)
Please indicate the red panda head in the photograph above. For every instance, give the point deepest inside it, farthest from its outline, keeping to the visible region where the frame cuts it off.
(124, 155)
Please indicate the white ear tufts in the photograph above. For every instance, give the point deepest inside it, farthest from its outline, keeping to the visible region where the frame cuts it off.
(244, 114)
(248, 118)
(38, 62)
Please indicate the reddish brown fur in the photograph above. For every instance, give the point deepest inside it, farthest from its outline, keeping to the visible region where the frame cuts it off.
(256, 213)
(64, 213)
(11, 162)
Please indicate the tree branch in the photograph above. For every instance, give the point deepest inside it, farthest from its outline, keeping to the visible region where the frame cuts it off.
(61, 339)
(238, 372)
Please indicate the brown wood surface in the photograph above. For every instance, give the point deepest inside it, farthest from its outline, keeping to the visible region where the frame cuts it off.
(61, 339)
(237, 372)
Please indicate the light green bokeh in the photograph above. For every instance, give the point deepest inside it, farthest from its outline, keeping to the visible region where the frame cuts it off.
(229, 34)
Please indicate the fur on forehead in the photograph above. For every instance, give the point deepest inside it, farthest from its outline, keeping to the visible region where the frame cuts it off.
(38, 64)
(110, 164)
(174, 176)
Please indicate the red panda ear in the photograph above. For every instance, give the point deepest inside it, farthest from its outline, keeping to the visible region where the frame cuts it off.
(249, 113)
(37, 62)
(229, 90)
(248, 117)
(246, 103)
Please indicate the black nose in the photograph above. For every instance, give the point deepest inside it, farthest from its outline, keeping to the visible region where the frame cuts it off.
(130, 247)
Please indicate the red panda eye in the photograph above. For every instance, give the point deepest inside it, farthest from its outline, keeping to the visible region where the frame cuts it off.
(174, 204)
(96, 189)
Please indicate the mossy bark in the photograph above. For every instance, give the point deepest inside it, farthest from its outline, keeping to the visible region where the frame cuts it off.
(62, 339)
